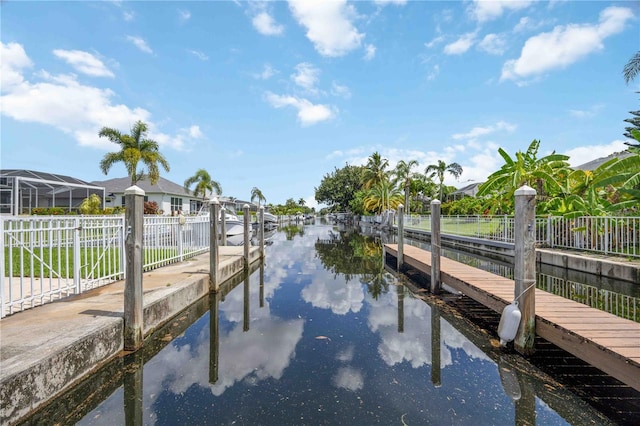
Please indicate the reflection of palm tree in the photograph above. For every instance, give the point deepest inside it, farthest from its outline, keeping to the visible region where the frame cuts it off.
(454, 169)
(134, 148)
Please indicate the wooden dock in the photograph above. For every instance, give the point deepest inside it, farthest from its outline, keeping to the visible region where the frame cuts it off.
(608, 342)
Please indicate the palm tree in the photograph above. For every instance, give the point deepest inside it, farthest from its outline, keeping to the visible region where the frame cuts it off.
(256, 194)
(374, 172)
(133, 149)
(632, 68)
(204, 183)
(382, 196)
(403, 173)
(302, 202)
(454, 169)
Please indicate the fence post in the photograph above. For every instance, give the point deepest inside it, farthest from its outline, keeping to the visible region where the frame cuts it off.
(77, 278)
(400, 258)
(525, 267)
(133, 306)
(181, 221)
(2, 271)
(214, 255)
(247, 234)
(261, 231)
(435, 247)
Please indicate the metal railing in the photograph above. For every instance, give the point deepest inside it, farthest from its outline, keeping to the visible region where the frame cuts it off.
(618, 236)
(43, 259)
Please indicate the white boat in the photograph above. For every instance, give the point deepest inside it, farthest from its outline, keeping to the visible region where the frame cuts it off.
(233, 225)
(270, 219)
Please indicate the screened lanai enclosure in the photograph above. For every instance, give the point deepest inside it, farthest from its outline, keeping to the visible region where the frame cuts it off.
(23, 190)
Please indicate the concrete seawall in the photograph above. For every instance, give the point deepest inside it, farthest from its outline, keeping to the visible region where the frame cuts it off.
(48, 349)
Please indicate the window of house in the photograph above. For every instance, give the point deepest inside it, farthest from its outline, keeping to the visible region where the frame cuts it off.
(176, 203)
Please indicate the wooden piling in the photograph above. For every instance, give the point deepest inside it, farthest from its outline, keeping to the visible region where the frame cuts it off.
(261, 231)
(133, 308)
(223, 226)
(400, 237)
(436, 280)
(247, 235)
(214, 253)
(525, 267)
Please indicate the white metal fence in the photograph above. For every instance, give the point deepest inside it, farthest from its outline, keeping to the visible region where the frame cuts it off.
(46, 258)
(618, 236)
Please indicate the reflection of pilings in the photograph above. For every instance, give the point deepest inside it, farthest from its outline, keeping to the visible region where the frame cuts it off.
(400, 289)
(214, 337)
(245, 325)
(436, 373)
(262, 284)
(133, 392)
(526, 405)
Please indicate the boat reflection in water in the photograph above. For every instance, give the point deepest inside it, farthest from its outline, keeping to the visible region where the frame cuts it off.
(324, 333)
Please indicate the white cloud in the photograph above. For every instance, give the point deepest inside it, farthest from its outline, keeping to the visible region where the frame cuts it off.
(386, 2)
(128, 15)
(494, 44)
(14, 60)
(369, 52)
(339, 90)
(565, 45)
(139, 43)
(84, 62)
(584, 154)
(308, 113)
(306, 76)
(184, 15)
(266, 74)
(481, 131)
(461, 45)
(328, 25)
(487, 10)
(435, 41)
(195, 132)
(266, 25)
(62, 102)
(435, 70)
(200, 55)
(589, 113)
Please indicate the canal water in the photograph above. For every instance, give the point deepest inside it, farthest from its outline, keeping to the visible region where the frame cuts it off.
(323, 333)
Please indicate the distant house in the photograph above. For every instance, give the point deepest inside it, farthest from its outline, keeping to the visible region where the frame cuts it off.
(594, 164)
(470, 190)
(170, 196)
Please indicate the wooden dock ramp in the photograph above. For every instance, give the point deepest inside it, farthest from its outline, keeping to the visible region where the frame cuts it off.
(608, 342)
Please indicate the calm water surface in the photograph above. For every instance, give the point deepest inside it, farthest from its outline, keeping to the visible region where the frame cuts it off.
(324, 334)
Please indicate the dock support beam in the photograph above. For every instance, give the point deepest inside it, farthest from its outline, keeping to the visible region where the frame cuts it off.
(214, 255)
(400, 258)
(133, 308)
(436, 282)
(247, 235)
(525, 267)
(261, 231)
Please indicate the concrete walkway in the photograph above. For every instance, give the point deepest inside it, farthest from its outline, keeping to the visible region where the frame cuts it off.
(45, 350)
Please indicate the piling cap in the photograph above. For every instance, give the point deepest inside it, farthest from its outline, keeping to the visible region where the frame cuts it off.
(525, 190)
(135, 190)
(214, 200)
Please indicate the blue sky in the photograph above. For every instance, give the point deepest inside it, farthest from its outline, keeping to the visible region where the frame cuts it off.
(277, 94)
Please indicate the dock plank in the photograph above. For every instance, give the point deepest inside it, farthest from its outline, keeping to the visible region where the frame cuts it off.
(608, 342)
